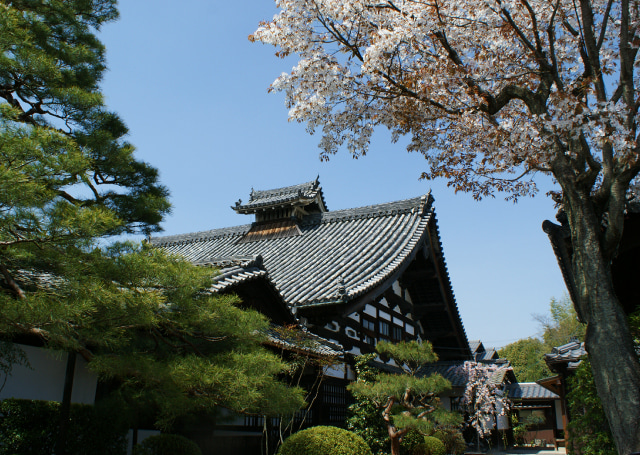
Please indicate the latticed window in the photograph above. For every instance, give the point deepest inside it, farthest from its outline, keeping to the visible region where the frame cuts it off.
(368, 324)
(336, 398)
(384, 328)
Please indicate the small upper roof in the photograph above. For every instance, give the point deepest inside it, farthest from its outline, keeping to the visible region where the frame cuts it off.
(302, 194)
(568, 355)
(480, 353)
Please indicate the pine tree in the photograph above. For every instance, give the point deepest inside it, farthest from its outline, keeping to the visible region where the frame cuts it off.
(69, 182)
(406, 400)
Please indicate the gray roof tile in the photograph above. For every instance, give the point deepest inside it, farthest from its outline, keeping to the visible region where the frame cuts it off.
(271, 198)
(303, 340)
(354, 249)
(529, 391)
(570, 354)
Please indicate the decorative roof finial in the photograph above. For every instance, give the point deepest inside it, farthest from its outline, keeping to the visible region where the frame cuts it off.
(342, 289)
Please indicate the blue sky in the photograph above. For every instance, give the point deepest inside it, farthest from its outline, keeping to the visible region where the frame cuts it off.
(193, 91)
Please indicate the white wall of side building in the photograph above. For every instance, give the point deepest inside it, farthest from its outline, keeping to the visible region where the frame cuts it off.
(559, 422)
(44, 380)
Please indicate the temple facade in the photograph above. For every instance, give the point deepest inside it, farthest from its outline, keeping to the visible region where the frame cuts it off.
(349, 277)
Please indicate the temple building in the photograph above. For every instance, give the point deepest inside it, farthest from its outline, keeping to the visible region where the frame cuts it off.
(353, 276)
(349, 277)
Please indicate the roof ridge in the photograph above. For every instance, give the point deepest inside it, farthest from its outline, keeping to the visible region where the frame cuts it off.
(421, 203)
(285, 189)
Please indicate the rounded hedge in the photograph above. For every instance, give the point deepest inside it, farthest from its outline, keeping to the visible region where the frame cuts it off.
(167, 444)
(323, 440)
(430, 446)
(452, 439)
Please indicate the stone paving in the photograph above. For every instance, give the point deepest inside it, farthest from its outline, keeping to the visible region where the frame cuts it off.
(528, 451)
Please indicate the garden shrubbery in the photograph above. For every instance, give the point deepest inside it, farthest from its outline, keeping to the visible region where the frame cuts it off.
(430, 446)
(452, 439)
(31, 427)
(323, 440)
(167, 444)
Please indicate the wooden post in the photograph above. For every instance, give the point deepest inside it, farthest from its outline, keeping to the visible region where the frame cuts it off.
(65, 406)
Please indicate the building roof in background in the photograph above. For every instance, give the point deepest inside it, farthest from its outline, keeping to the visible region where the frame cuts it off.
(344, 258)
(480, 353)
(529, 391)
(454, 372)
(566, 356)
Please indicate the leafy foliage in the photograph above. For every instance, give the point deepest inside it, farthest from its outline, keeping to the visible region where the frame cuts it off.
(69, 181)
(589, 432)
(452, 438)
(167, 444)
(526, 356)
(31, 427)
(406, 400)
(67, 177)
(430, 446)
(562, 324)
(323, 440)
(365, 418)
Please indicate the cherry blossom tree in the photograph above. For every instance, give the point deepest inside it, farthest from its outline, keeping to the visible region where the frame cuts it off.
(493, 93)
(483, 399)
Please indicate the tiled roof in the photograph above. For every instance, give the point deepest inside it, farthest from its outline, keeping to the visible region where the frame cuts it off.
(474, 345)
(570, 354)
(338, 257)
(280, 196)
(234, 271)
(303, 340)
(451, 371)
(454, 372)
(529, 391)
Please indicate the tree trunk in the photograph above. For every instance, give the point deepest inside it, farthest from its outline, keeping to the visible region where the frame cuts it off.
(615, 365)
(395, 445)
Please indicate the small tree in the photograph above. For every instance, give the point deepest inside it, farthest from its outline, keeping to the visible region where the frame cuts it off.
(406, 399)
(365, 418)
(483, 398)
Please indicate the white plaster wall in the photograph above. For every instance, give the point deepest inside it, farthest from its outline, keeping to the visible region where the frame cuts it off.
(45, 379)
(334, 371)
(559, 422)
(370, 310)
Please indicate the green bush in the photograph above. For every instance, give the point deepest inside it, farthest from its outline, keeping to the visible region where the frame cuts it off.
(167, 444)
(452, 439)
(410, 441)
(322, 440)
(589, 432)
(30, 427)
(430, 446)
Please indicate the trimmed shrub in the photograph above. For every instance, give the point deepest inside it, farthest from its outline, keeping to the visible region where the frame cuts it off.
(452, 439)
(410, 442)
(30, 427)
(324, 440)
(167, 444)
(430, 446)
